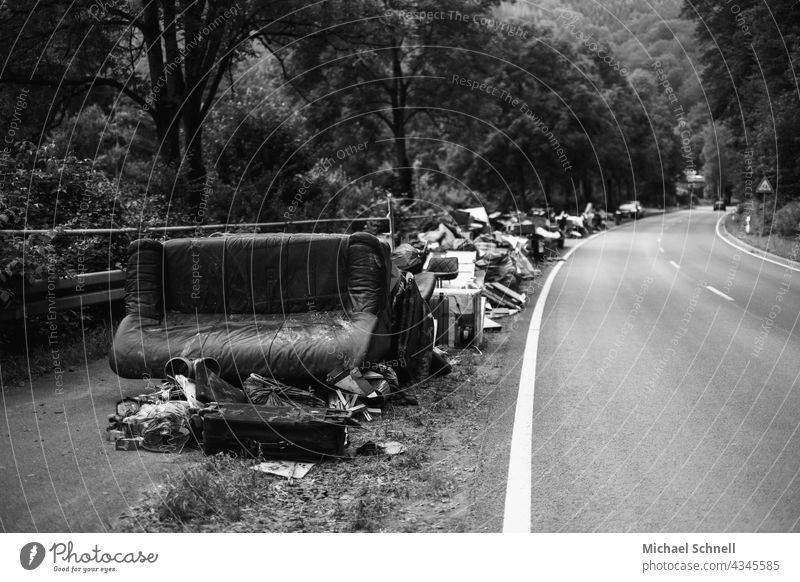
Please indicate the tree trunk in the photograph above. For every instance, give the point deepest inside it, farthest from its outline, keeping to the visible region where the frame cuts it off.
(405, 173)
(193, 128)
(162, 105)
(524, 202)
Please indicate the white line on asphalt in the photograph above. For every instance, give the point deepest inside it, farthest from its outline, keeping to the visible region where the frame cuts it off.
(748, 251)
(674, 264)
(718, 292)
(517, 513)
(660, 249)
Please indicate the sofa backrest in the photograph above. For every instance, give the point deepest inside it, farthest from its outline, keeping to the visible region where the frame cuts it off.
(261, 274)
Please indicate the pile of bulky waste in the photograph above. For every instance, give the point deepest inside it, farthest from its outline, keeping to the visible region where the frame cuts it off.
(468, 268)
(194, 406)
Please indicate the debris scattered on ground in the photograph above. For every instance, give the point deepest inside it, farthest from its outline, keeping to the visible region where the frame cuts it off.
(441, 365)
(263, 390)
(129, 444)
(389, 448)
(392, 448)
(289, 469)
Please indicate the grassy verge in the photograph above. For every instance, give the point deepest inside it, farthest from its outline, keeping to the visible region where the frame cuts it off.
(788, 248)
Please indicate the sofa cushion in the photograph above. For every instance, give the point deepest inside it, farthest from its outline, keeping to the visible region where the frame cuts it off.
(303, 346)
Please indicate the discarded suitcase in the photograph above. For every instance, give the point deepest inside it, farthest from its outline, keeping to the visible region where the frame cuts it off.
(281, 432)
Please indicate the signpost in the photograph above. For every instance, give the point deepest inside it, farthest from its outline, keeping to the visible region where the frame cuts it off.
(764, 188)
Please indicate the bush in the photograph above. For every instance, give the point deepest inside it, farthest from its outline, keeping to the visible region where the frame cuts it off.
(786, 221)
(39, 190)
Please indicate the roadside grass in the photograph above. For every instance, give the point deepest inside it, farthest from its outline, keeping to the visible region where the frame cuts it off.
(75, 348)
(788, 248)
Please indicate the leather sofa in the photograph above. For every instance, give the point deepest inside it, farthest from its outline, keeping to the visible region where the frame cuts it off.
(291, 306)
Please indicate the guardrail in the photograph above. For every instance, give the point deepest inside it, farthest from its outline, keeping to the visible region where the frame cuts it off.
(109, 286)
(68, 293)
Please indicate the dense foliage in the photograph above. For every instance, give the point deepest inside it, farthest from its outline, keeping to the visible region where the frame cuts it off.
(750, 52)
(185, 112)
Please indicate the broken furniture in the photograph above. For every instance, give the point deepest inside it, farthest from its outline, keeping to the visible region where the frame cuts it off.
(458, 314)
(281, 432)
(466, 267)
(437, 269)
(501, 296)
(286, 306)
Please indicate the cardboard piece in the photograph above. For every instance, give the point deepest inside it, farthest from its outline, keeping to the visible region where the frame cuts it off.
(288, 469)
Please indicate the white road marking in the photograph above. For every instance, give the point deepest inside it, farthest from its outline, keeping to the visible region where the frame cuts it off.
(748, 251)
(517, 513)
(718, 292)
(674, 264)
(660, 249)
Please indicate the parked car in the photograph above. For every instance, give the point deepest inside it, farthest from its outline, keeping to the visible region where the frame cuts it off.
(632, 209)
(719, 205)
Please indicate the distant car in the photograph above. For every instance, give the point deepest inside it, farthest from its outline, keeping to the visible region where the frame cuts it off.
(632, 210)
(719, 205)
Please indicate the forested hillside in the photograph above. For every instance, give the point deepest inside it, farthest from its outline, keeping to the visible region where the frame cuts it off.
(171, 112)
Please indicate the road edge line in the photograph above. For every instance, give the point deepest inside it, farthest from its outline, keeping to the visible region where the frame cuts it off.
(753, 253)
(517, 508)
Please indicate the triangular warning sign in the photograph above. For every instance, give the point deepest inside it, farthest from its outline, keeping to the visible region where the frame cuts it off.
(764, 187)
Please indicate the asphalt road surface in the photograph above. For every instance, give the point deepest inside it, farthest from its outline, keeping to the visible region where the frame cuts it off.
(666, 395)
(57, 473)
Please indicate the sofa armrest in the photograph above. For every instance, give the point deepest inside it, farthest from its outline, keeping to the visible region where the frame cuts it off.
(144, 279)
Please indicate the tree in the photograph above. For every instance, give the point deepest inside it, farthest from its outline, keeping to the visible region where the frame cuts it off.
(749, 51)
(169, 57)
(388, 64)
(719, 160)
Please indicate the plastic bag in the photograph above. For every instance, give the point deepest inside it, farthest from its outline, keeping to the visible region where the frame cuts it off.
(499, 268)
(409, 259)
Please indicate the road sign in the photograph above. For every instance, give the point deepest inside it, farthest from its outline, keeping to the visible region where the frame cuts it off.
(764, 187)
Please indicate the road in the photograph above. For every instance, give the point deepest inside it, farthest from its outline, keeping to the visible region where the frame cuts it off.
(57, 472)
(666, 393)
